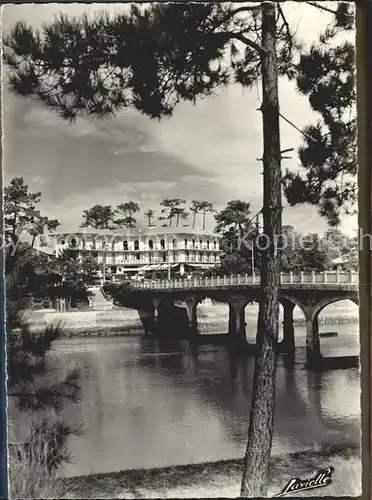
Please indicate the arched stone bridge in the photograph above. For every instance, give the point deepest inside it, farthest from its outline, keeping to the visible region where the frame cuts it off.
(311, 292)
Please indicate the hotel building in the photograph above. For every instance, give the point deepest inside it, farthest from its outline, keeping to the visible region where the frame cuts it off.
(137, 251)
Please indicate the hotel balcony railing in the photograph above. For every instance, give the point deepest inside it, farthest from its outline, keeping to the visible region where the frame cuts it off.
(155, 249)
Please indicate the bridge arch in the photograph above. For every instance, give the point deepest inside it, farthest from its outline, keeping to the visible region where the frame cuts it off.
(220, 315)
(311, 306)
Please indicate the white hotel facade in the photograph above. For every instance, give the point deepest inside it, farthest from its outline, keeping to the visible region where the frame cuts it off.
(137, 251)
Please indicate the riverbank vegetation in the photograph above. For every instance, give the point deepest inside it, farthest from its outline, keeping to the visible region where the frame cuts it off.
(29, 475)
(37, 432)
(222, 478)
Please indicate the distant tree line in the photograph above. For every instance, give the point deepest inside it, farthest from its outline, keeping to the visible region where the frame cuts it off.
(242, 242)
(173, 213)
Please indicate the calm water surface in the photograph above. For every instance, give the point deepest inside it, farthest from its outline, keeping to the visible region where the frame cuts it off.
(146, 404)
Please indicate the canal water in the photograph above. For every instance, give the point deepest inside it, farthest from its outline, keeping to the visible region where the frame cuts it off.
(147, 404)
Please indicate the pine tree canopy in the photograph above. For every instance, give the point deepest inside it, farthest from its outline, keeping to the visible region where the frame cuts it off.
(151, 58)
(326, 75)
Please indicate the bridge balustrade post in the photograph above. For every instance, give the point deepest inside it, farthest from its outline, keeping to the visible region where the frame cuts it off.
(231, 279)
(224, 279)
(351, 276)
(218, 280)
(337, 276)
(291, 277)
(238, 279)
(253, 277)
(325, 276)
(301, 277)
(312, 277)
(246, 278)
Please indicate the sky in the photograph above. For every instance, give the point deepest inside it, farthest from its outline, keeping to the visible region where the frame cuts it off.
(206, 151)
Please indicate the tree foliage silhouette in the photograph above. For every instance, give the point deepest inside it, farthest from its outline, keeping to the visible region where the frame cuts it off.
(99, 217)
(127, 211)
(149, 214)
(326, 74)
(21, 213)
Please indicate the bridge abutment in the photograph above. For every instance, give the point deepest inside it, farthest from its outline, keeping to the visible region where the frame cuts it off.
(237, 320)
(313, 354)
(191, 305)
(288, 343)
(155, 317)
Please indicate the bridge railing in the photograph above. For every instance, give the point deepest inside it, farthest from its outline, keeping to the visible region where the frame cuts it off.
(312, 278)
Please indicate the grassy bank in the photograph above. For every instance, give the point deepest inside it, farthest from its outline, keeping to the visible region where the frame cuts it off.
(222, 478)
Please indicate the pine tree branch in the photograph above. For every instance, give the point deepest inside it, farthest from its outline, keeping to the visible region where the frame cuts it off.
(231, 14)
(327, 9)
(52, 396)
(243, 39)
(297, 128)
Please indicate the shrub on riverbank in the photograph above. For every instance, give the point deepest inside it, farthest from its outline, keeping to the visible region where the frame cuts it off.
(29, 476)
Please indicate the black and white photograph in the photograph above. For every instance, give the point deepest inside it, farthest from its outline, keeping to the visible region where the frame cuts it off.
(181, 245)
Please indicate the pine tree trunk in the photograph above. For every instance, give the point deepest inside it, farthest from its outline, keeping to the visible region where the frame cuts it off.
(254, 483)
(203, 221)
(193, 221)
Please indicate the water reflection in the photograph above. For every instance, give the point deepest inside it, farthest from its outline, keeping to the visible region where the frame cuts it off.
(148, 404)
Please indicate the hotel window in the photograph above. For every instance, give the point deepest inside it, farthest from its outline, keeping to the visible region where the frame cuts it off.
(174, 243)
(113, 245)
(164, 257)
(73, 243)
(193, 243)
(208, 245)
(83, 241)
(187, 255)
(215, 244)
(138, 256)
(162, 244)
(175, 256)
(151, 245)
(94, 255)
(136, 245)
(94, 244)
(185, 242)
(125, 245)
